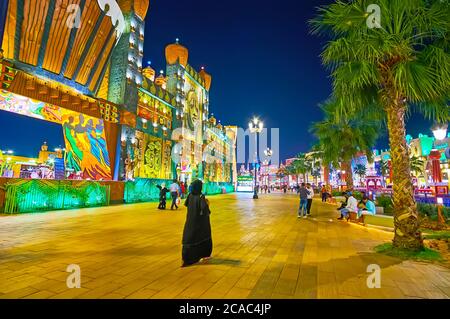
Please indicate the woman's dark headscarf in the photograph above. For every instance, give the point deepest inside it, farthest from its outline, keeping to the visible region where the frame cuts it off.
(197, 186)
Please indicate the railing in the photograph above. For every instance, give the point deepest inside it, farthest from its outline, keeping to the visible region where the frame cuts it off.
(27, 196)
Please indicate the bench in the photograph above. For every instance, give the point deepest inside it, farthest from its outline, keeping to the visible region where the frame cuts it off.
(353, 217)
(375, 220)
(379, 220)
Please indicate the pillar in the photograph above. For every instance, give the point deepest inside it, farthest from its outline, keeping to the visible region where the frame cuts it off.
(435, 157)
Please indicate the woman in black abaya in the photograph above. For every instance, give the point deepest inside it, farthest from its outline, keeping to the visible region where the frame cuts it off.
(197, 241)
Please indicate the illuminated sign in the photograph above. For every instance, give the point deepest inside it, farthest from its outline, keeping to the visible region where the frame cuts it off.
(245, 183)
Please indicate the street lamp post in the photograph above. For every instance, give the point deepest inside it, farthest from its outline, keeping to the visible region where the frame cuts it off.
(440, 134)
(255, 126)
(268, 152)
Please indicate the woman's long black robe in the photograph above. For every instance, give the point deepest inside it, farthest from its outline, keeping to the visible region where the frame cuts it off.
(197, 241)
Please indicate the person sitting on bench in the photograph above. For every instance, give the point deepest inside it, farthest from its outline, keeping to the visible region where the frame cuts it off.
(343, 203)
(352, 207)
(368, 209)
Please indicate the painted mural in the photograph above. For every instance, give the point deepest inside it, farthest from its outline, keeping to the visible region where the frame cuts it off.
(86, 149)
(85, 140)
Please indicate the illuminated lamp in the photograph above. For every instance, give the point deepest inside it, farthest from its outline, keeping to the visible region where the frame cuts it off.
(93, 106)
(43, 89)
(76, 100)
(54, 94)
(65, 97)
(30, 85)
(440, 131)
(138, 80)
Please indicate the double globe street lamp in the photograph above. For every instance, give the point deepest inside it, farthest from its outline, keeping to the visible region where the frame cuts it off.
(268, 153)
(255, 126)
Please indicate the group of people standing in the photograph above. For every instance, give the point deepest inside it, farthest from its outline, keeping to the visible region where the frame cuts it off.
(197, 239)
(306, 197)
(177, 192)
(365, 206)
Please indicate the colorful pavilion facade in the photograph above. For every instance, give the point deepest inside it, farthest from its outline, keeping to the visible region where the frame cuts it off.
(79, 63)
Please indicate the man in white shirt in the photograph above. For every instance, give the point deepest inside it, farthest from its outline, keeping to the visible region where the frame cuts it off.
(174, 191)
(352, 207)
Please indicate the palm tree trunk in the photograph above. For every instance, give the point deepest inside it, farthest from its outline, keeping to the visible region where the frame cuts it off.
(406, 219)
(348, 174)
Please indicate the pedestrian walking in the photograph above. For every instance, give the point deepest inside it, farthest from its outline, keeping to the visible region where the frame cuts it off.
(323, 191)
(183, 189)
(174, 193)
(197, 239)
(162, 196)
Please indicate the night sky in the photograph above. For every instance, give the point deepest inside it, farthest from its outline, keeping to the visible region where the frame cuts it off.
(262, 59)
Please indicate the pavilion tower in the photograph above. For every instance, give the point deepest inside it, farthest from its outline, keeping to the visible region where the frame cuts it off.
(126, 75)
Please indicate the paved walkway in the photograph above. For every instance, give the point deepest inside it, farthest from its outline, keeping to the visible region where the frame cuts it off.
(261, 250)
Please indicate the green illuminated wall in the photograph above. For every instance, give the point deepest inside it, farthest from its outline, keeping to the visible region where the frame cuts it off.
(143, 190)
(26, 196)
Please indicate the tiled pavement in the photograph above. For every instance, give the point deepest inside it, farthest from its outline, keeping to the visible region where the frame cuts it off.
(261, 250)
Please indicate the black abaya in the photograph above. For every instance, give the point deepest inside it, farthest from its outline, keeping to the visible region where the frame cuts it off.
(197, 241)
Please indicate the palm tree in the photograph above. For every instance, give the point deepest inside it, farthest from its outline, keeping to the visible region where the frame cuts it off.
(341, 138)
(314, 158)
(361, 171)
(302, 165)
(404, 62)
